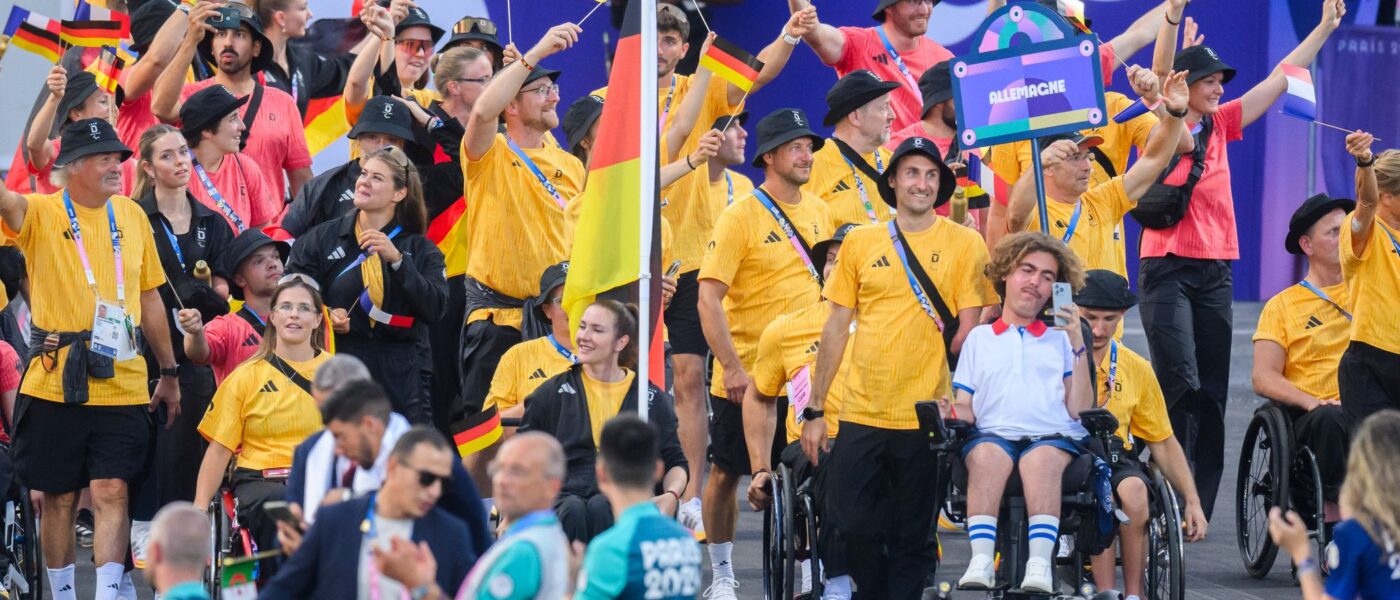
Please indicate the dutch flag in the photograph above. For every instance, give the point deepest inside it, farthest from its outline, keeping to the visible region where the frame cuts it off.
(1301, 99)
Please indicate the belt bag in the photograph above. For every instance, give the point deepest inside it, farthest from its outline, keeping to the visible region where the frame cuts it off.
(1165, 205)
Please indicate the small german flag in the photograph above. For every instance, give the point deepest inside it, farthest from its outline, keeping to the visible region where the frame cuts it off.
(732, 63)
(94, 34)
(38, 39)
(107, 69)
(477, 432)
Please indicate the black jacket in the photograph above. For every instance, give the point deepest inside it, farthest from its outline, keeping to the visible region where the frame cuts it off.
(312, 76)
(323, 198)
(560, 408)
(209, 235)
(416, 289)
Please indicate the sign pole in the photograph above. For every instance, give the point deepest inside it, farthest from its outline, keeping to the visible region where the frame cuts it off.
(1039, 186)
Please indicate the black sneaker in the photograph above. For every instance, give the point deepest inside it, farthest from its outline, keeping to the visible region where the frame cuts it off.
(84, 527)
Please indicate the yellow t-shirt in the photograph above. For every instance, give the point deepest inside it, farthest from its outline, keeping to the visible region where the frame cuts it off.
(1372, 281)
(1096, 239)
(1135, 398)
(766, 276)
(835, 181)
(897, 355)
(604, 400)
(260, 414)
(720, 198)
(516, 226)
(1313, 334)
(788, 345)
(522, 369)
(61, 299)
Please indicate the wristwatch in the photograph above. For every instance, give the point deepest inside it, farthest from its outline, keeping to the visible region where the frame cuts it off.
(170, 372)
(1363, 165)
(809, 414)
(420, 592)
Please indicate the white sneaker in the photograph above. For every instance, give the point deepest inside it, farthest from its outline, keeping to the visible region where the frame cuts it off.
(723, 588)
(690, 517)
(981, 574)
(1037, 576)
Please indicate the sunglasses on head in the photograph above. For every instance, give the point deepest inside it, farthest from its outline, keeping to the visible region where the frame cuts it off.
(471, 24)
(302, 277)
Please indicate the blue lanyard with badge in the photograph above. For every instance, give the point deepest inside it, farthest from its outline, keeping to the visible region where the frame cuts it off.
(368, 528)
(1393, 243)
(564, 352)
(1321, 294)
(789, 231)
(666, 112)
(113, 334)
(539, 175)
(1073, 222)
(729, 181)
(1112, 371)
(860, 184)
(216, 196)
(899, 62)
(919, 293)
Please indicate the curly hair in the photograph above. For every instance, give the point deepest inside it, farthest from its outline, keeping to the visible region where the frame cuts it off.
(1372, 484)
(1012, 248)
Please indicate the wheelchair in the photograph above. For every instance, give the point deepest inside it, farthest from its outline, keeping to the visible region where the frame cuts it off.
(1275, 471)
(790, 526)
(228, 540)
(23, 573)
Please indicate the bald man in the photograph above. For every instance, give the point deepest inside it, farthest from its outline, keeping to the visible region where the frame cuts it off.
(178, 552)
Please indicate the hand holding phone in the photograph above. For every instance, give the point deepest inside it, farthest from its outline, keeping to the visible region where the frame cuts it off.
(282, 511)
(1062, 297)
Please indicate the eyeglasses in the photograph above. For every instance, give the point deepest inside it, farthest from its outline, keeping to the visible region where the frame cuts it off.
(478, 80)
(299, 277)
(427, 478)
(303, 308)
(470, 24)
(543, 91)
(557, 300)
(424, 47)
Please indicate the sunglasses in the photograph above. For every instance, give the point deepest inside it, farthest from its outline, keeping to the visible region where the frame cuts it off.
(428, 478)
(301, 277)
(416, 46)
(471, 24)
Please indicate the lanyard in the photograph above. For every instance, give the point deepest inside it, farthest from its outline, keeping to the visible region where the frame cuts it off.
(860, 185)
(362, 257)
(367, 527)
(562, 350)
(1073, 222)
(1390, 235)
(77, 232)
(919, 292)
(1112, 369)
(254, 313)
(539, 175)
(216, 196)
(174, 243)
(786, 226)
(729, 181)
(1321, 294)
(898, 62)
(666, 111)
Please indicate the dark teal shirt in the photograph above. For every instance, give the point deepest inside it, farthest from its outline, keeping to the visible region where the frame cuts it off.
(644, 555)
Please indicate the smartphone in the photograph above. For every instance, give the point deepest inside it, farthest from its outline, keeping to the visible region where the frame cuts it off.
(282, 511)
(1061, 296)
(673, 269)
(227, 14)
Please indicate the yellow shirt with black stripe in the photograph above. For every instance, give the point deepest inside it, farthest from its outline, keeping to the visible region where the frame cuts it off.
(1095, 240)
(522, 369)
(62, 301)
(1313, 334)
(835, 182)
(897, 355)
(516, 226)
(720, 198)
(604, 400)
(1373, 284)
(788, 345)
(1135, 398)
(259, 413)
(767, 278)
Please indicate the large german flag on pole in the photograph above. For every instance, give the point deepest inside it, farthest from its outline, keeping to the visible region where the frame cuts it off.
(94, 34)
(617, 237)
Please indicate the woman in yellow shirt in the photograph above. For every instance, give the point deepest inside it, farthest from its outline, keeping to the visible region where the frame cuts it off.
(264, 409)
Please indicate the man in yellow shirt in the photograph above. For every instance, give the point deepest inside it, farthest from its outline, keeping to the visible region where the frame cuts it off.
(727, 185)
(899, 356)
(846, 171)
(84, 401)
(517, 187)
(1301, 336)
(1367, 377)
(757, 267)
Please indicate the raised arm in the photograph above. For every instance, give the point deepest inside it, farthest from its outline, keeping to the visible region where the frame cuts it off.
(1023, 196)
(688, 113)
(777, 53)
(1141, 33)
(1079, 394)
(1367, 193)
(377, 51)
(486, 113)
(13, 206)
(835, 334)
(825, 40)
(141, 77)
(1162, 144)
(165, 96)
(1263, 95)
(708, 147)
(1164, 52)
(40, 150)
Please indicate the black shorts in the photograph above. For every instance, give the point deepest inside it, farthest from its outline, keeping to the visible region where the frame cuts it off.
(728, 449)
(59, 447)
(1128, 467)
(683, 317)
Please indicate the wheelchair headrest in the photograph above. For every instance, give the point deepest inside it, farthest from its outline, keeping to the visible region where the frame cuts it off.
(1099, 421)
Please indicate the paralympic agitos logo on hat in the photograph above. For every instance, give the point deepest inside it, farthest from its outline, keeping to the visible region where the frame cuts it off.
(94, 131)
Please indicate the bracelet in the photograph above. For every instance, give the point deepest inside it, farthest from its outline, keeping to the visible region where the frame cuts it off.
(1170, 21)
(1367, 164)
(1308, 565)
(1080, 352)
(1177, 114)
(678, 496)
(791, 40)
(687, 162)
(761, 472)
(526, 63)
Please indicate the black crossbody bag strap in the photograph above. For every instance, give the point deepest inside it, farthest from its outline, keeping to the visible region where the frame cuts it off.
(1104, 162)
(950, 320)
(853, 156)
(254, 103)
(290, 373)
(252, 320)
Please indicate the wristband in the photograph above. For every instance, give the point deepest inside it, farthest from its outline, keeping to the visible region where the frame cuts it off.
(1308, 565)
(687, 162)
(526, 64)
(1177, 114)
(1170, 21)
(1367, 164)
(791, 40)
(1080, 352)
(677, 496)
(761, 472)
(170, 372)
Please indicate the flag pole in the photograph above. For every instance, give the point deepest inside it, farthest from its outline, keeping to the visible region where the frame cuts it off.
(648, 182)
(735, 113)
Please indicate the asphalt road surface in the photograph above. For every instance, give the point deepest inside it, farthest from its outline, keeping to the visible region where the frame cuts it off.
(1214, 569)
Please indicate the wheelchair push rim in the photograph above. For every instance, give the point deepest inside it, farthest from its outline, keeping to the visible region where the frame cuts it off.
(1262, 484)
(24, 548)
(779, 564)
(1166, 567)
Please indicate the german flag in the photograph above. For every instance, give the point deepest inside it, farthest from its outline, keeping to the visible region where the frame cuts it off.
(107, 69)
(477, 432)
(732, 63)
(39, 35)
(94, 34)
(607, 245)
(325, 123)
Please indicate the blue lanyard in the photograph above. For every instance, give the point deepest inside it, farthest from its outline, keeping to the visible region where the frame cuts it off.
(174, 243)
(530, 520)
(661, 123)
(919, 292)
(1112, 369)
(216, 196)
(562, 350)
(786, 226)
(539, 175)
(362, 257)
(1321, 294)
(729, 180)
(1390, 235)
(255, 316)
(1073, 222)
(860, 185)
(898, 62)
(77, 232)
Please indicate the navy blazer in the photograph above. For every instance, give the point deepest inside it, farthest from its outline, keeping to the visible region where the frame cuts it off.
(328, 563)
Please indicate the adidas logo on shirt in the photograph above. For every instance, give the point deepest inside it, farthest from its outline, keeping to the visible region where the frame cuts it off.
(1313, 321)
(881, 58)
(268, 388)
(538, 374)
(841, 186)
(812, 349)
(336, 254)
(883, 262)
(566, 389)
(347, 194)
(251, 340)
(772, 238)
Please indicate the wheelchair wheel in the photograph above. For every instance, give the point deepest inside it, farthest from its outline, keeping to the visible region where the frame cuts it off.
(1314, 511)
(808, 528)
(779, 562)
(223, 531)
(26, 578)
(1262, 483)
(1166, 565)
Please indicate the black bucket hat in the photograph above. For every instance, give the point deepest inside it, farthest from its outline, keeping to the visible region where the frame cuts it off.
(246, 17)
(1105, 290)
(1312, 210)
(243, 246)
(204, 108)
(936, 86)
(582, 114)
(147, 20)
(879, 14)
(947, 182)
(820, 248)
(418, 17)
(469, 29)
(385, 115)
(780, 127)
(87, 137)
(722, 123)
(1200, 62)
(81, 85)
(554, 276)
(856, 89)
(540, 73)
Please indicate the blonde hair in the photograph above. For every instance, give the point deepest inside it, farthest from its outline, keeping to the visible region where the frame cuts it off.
(1013, 248)
(146, 150)
(1388, 172)
(451, 65)
(269, 338)
(1371, 492)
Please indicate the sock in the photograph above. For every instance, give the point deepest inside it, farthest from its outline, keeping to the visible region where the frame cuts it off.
(61, 583)
(1132, 598)
(805, 567)
(982, 534)
(837, 588)
(719, 560)
(1042, 533)
(109, 577)
(127, 591)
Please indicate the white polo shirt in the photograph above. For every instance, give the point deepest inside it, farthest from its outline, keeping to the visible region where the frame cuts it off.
(1016, 376)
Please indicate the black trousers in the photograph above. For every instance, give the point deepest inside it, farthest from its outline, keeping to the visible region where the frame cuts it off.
(252, 491)
(830, 547)
(396, 366)
(1186, 310)
(1369, 379)
(446, 340)
(882, 500)
(483, 344)
(180, 449)
(582, 518)
(1325, 431)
